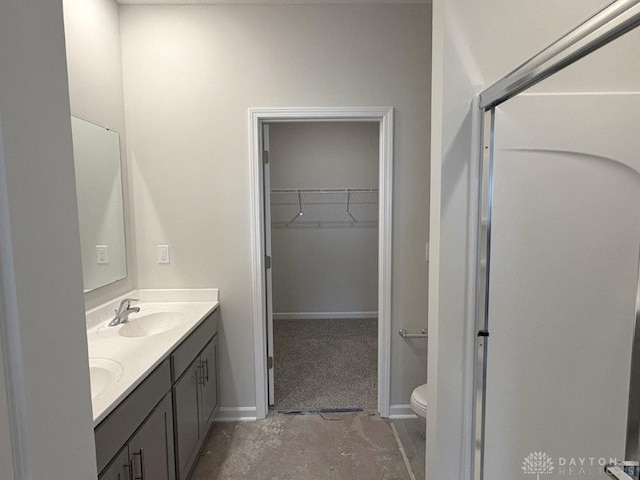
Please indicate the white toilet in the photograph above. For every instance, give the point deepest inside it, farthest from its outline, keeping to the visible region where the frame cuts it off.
(419, 401)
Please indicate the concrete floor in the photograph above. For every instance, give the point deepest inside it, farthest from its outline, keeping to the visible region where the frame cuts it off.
(353, 446)
(412, 434)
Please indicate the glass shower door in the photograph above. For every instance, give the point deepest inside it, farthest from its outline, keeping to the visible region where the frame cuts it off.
(565, 242)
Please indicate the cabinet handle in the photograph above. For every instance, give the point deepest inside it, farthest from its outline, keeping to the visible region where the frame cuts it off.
(206, 366)
(130, 469)
(141, 455)
(200, 375)
(144, 466)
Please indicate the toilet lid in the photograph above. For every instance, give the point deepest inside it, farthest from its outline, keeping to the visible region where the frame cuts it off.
(419, 400)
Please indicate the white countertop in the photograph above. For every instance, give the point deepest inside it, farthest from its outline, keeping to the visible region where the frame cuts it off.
(130, 359)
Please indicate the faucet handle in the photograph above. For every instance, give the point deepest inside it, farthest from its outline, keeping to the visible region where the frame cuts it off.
(127, 302)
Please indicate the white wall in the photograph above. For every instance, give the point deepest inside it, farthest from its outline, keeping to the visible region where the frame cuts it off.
(192, 72)
(94, 63)
(475, 44)
(331, 268)
(40, 269)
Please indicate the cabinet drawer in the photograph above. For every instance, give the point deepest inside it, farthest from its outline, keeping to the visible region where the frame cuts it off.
(182, 357)
(114, 431)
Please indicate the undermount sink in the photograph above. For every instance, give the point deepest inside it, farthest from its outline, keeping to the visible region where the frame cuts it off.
(146, 324)
(104, 372)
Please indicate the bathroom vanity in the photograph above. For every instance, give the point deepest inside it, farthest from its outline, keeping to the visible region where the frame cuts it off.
(154, 384)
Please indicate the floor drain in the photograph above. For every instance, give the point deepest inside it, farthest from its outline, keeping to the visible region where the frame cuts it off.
(324, 410)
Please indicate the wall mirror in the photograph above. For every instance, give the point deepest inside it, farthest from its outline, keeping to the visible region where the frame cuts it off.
(96, 152)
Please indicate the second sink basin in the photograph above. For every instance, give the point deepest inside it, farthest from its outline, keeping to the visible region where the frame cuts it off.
(148, 323)
(104, 372)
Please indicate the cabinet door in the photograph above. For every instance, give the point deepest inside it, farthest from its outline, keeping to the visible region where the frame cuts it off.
(151, 448)
(209, 389)
(185, 394)
(119, 468)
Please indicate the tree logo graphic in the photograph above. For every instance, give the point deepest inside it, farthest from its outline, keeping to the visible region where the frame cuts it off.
(537, 463)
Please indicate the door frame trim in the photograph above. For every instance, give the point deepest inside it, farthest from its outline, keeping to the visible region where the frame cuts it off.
(381, 115)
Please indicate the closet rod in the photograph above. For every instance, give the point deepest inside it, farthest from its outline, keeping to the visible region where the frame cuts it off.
(324, 190)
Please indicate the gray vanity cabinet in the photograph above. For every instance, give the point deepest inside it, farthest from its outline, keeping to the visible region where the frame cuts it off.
(196, 400)
(148, 455)
(119, 468)
(151, 448)
(156, 433)
(185, 394)
(195, 392)
(149, 403)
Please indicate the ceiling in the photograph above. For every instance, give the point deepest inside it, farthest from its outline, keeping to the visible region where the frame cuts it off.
(270, 2)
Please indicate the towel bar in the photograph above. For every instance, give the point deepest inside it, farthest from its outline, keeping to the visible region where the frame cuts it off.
(403, 333)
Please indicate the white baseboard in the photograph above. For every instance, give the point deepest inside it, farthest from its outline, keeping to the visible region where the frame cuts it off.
(398, 412)
(236, 414)
(322, 315)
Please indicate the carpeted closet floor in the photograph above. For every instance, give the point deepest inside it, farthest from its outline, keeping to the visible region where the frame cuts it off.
(325, 364)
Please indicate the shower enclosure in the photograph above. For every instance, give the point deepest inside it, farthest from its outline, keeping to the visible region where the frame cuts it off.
(558, 365)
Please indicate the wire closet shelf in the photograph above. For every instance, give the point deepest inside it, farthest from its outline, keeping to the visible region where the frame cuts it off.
(324, 207)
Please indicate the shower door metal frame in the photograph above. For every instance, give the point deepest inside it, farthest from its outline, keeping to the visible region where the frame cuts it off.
(613, 21)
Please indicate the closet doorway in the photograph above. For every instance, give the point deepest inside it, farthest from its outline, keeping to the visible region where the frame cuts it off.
(321, 238)
(322, 227)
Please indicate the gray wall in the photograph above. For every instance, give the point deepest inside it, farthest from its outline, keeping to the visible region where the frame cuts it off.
(331, 268)
(94, 63)
(190, 75)
(6, 448)
(43, 325)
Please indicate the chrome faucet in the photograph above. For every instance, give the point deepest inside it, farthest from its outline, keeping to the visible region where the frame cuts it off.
(123, 311)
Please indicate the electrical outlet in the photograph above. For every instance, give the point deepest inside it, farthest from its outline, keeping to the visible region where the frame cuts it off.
(102, 254)
(163, 254)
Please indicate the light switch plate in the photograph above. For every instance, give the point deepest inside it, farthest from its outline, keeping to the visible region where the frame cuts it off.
(102, 254)
(163, 254)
